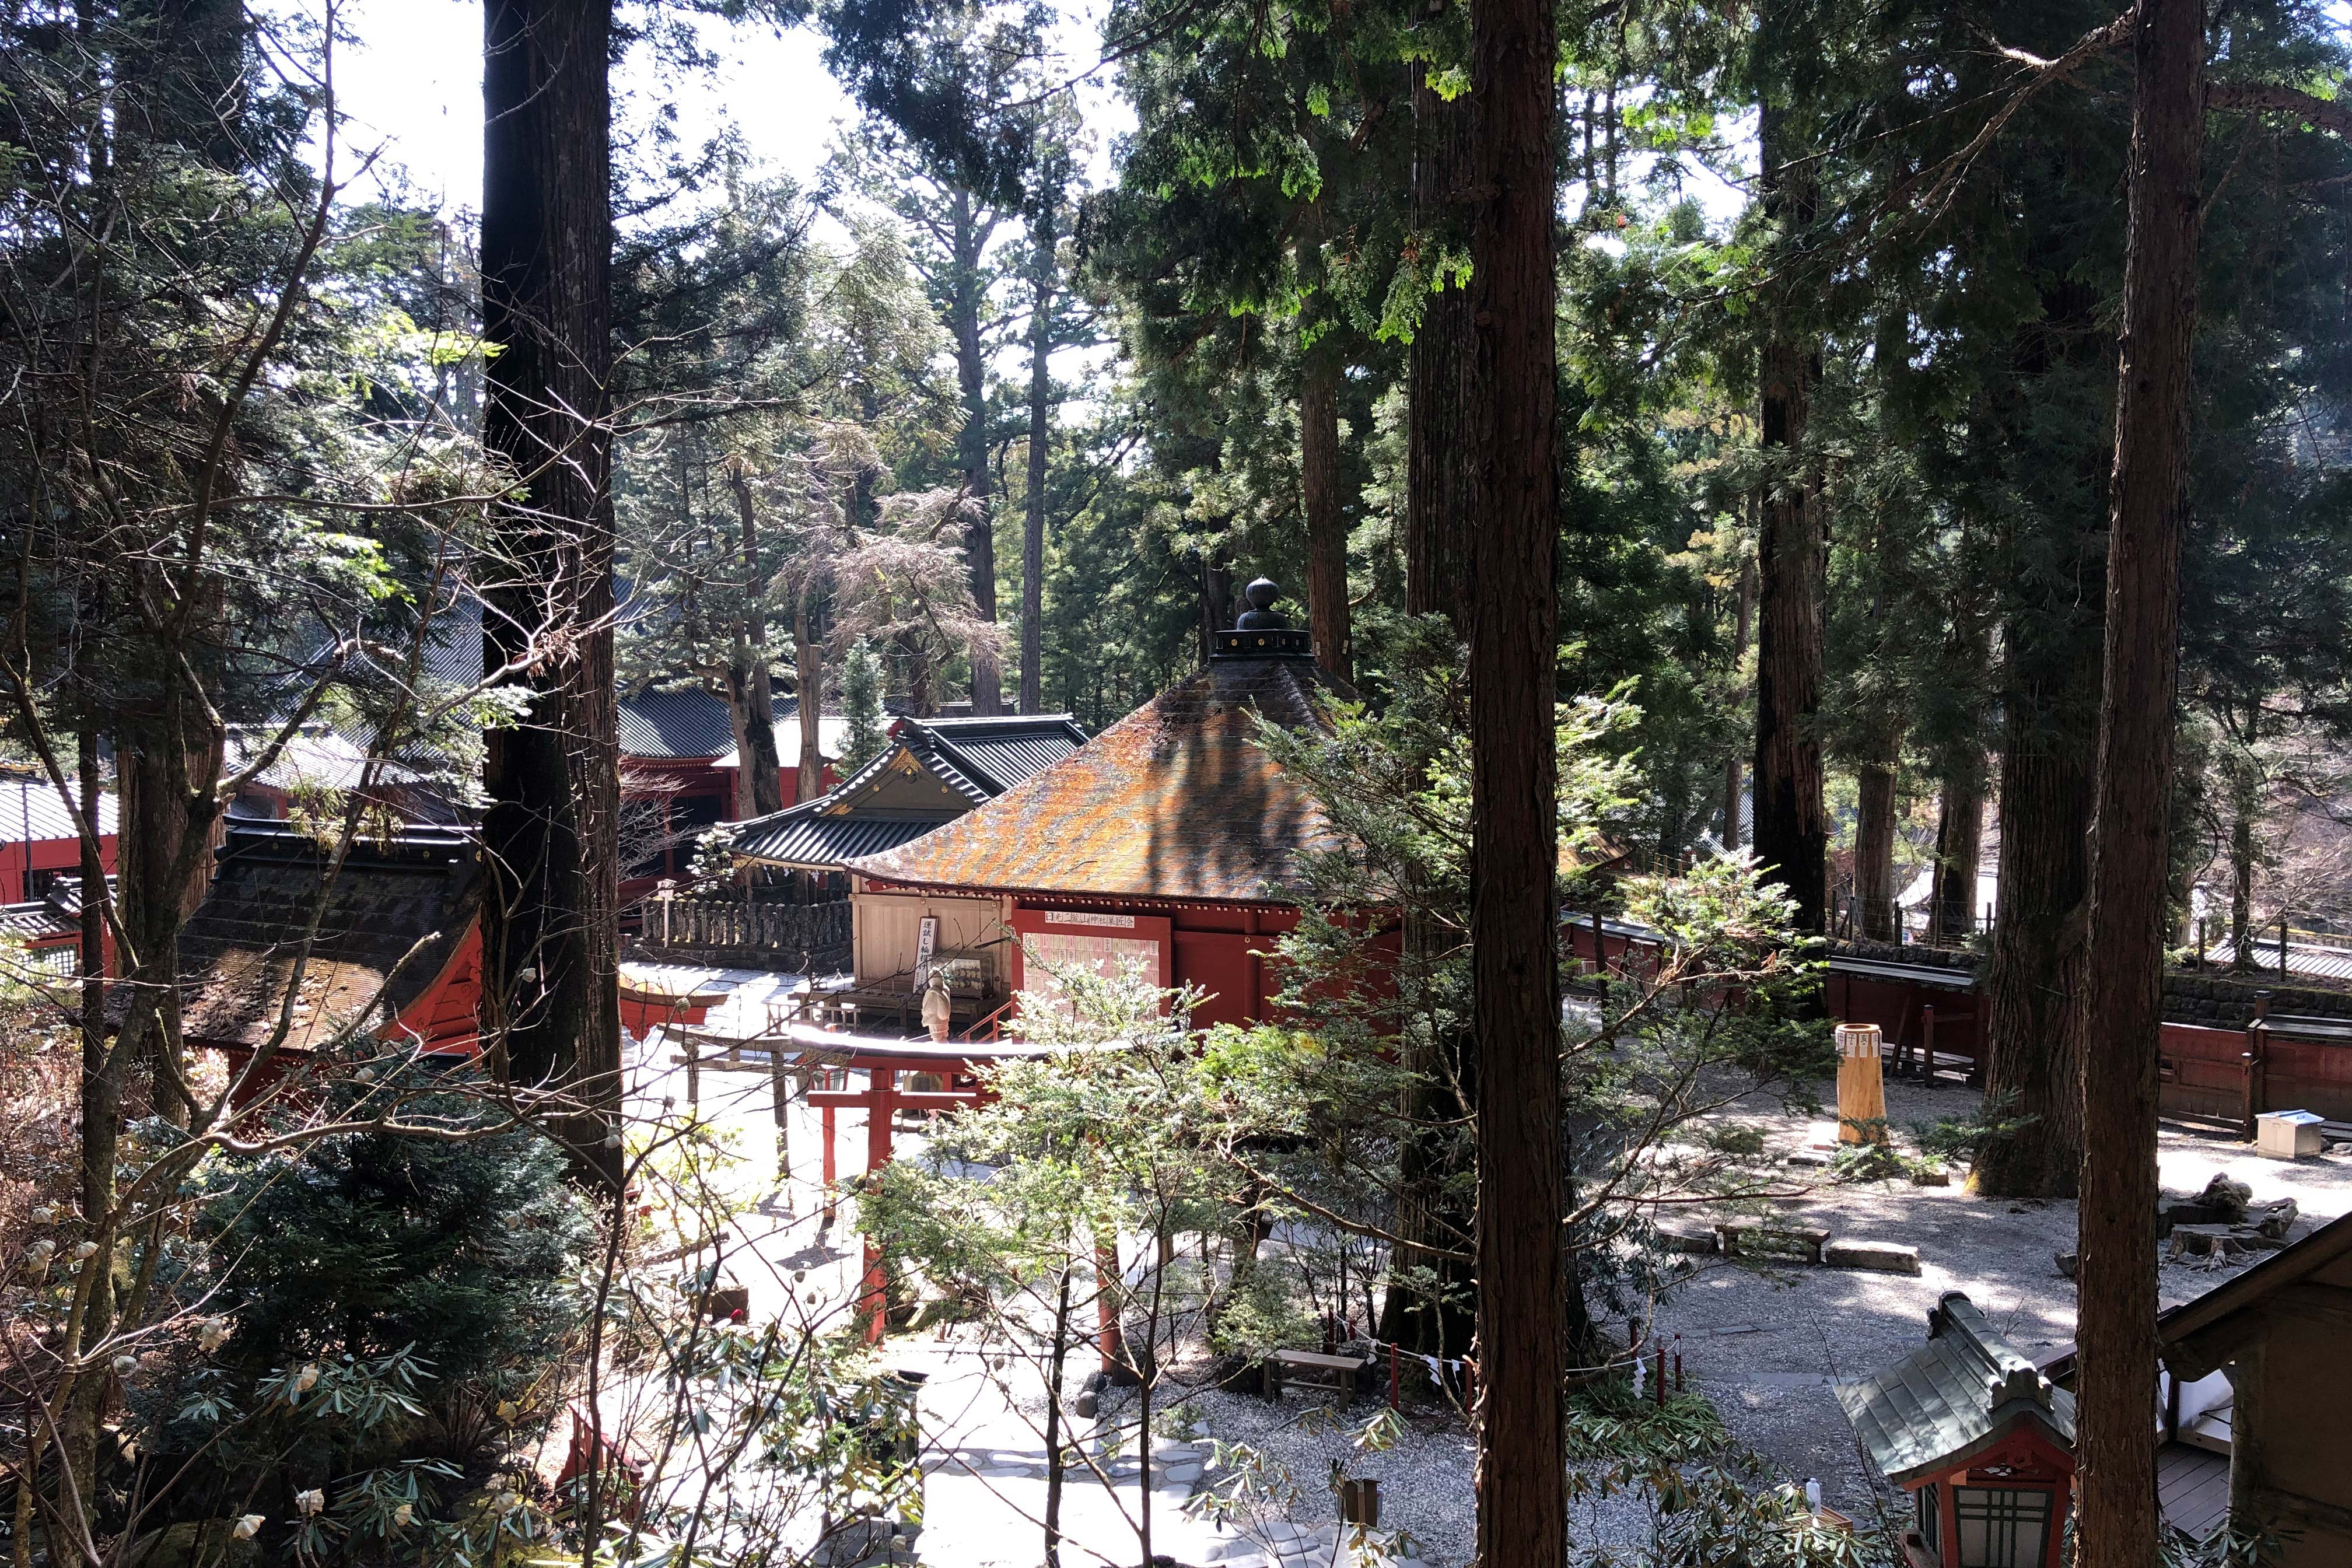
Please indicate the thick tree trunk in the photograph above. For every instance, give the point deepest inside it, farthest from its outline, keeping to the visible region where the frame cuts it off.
(1326, 522)
(1436, 1206)
(1216, 598)
(1791, 828)
(972, 442)
(1522, 1276)
(759, 767)
(551, 1007)
(808, 678)
(1960, 847)
(1438, 474)
(1874, 851)
(2037, 943)
(2123, 989)
(1041, 430)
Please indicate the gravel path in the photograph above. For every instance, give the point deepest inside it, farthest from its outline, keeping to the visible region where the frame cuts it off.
(1765, 1347)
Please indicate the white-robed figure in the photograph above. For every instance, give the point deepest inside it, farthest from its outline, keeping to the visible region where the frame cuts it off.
(937, 1005)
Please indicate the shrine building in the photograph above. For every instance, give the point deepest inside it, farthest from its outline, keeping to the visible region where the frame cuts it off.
(1171, 840)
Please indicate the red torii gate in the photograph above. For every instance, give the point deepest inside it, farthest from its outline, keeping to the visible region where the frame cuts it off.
(952, 1063)
(797, 1045)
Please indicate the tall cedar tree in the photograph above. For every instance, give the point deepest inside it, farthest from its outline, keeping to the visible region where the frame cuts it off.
(551, 1005)
(1522, 1322)
(954, 84)
(2123, 992)
(1438, 505)
(1791, 827)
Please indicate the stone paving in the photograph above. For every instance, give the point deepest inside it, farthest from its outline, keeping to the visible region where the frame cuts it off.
(984, 1467)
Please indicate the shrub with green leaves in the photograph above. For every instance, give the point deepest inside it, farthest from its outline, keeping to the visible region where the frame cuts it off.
(383, 1309)
(458, 1252)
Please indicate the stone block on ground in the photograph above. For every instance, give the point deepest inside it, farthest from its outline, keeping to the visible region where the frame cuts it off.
(1877, 1257)
(2273, 1219)
(1785, 1242)
(2220, 1241)
(1686, 1239)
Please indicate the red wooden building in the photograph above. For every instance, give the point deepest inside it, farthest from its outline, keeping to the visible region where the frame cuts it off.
(1171, 839)
(40, 851)
(239, 950)
(679, 770)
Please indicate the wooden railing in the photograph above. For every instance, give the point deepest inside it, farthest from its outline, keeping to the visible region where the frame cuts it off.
(817, 934)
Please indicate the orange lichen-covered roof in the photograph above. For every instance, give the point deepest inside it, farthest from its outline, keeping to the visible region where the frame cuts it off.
(1175, 801)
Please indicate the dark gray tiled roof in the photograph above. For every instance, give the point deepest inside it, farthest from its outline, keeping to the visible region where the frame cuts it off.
(977, 759)
(39, 921)
(810, 840)
(1937, 1407)
(238, 951)
(689, 725)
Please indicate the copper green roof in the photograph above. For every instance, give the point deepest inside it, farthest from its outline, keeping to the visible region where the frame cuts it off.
(1952, 1398)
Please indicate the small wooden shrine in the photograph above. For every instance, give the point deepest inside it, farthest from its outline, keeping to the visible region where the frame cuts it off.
(1982, 1441)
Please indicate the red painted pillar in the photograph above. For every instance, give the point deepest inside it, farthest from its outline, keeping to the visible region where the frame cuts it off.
(872, 1306)
(1106, 1284)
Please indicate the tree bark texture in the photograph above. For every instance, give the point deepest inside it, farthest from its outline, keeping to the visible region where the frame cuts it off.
(2037, 949)
(1960, 848)
(1438, 472)
(1873, 850)
(1327, 522)
(759, 767)
(1743, 620)
(1522, 1324)
(808, 672)
(1436, 1205)
(1791, 827)
(2123, 984)
(551, 1007)
(1041, 431)
(972, 442)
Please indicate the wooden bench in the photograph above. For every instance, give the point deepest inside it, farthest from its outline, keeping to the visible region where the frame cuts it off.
(1310, 1369)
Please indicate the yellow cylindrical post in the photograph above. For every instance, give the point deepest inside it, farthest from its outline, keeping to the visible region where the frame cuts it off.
(1861, 1084)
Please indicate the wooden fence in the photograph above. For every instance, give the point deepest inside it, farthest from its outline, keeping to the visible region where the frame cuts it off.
(767, 934)
(2232, 1076)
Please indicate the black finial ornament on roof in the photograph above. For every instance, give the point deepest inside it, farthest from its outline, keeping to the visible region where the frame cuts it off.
(1261, 631)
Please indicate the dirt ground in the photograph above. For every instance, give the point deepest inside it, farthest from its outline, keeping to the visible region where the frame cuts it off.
(1766, 1346)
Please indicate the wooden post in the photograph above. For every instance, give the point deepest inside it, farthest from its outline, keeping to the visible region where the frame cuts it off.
(1861, 1086)
(828, 1134)
(873, 1305)
(693, 1070)
(2283, 972)
(2256, 1063)
(780, 1086)
(2200, 941)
